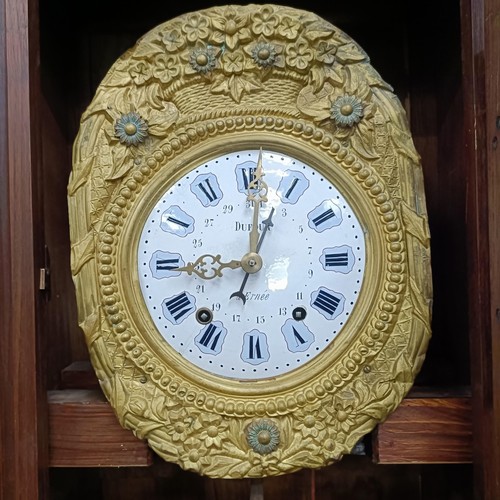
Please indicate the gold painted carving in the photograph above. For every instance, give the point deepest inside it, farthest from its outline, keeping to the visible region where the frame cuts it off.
(223, 78)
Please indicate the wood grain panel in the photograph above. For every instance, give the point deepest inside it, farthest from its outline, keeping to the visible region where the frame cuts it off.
(84, 432)
(481, 77)
(24, 436)
(426, 430)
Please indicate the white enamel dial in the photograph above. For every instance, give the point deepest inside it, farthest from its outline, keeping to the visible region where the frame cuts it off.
(270, 322)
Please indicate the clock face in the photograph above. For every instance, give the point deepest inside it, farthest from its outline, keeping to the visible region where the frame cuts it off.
(251, 325)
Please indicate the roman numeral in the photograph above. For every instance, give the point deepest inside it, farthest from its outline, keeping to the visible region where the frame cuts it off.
(167, 264)
(326, 302)
(248, 176)
(211, 336)
(291, 188)
(336, 259)
(320, 219)
(177, 221)
(207, 190)
(298, 338)
(254, 347)
(178, 306)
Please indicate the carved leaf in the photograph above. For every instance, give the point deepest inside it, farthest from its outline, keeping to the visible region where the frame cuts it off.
(146, 97)
(350, 53)
(304, 458)
(318, 29)
(362, 148)
(316, 105)
(161, 121)
(415, 224)
(82, 252)
(117, 78)
(402, 142)
(334, 74)
(147, 50)
(80, 175)
(122, 162)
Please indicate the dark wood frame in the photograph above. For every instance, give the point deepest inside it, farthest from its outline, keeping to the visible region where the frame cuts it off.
(23, 409)
(481, 66)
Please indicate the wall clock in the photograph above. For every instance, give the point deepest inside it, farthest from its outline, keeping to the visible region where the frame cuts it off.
(250, 246)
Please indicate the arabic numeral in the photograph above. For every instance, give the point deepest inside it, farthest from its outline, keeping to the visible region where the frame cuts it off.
(236, 318)
(197, 243)
(283, 212)
(261, 319)
(282, 311)
(227, 209)
(309, 250)
(299, 296)
(209, 222)
(200, 288)
(310, 273)
(215, 307)
(301, 229)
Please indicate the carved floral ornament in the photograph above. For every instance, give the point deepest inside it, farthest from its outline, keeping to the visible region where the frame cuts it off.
(205, 78)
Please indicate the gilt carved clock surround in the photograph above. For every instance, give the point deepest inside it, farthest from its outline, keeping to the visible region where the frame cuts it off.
(198, 89)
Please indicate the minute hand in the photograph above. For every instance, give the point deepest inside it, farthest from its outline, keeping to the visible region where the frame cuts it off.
(267, 223)
(257, 192)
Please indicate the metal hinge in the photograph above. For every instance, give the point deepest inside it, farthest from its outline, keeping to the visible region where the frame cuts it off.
(44, 283)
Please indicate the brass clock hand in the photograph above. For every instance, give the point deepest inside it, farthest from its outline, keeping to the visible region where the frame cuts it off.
(267, 223)
(208, 270)
(257, 193)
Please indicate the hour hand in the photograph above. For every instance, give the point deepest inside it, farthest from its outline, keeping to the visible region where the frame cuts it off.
(208, 266)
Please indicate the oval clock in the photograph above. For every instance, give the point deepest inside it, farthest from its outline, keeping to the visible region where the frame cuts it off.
(250, 246)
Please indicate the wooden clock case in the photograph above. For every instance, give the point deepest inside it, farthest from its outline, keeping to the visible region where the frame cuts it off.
(59, 439)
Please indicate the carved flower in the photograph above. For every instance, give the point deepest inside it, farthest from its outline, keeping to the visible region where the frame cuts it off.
(131, 129)
(233, 63)
(196, 27)
(265, 22)
(203, 59)
(344, 414)
(214, 427)
(194, 456)
(173, 40)
(140, 72)
(263, 436)
(325, 52)
(166, 68)
(299, 55)
(312, 423)
(231, 28)
(347, 110)
(288, 28)
(179, 427)
(266, 54)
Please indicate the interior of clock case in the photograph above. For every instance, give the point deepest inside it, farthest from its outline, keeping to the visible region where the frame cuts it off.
(415, 46)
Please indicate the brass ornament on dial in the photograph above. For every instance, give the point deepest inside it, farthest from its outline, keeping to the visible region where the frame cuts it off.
(221, 80)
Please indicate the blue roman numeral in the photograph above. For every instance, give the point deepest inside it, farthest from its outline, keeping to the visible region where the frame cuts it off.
(248, 176)
(254, 348)
(178, 306)
(320, 219)
(291, 188)
(167, 264)
(327, 302)
(177, 221)
(211, 336)
(207, 189)
(336, 259)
